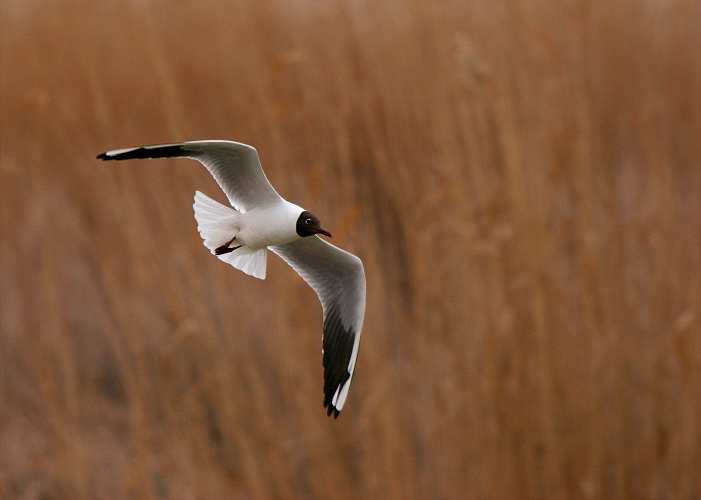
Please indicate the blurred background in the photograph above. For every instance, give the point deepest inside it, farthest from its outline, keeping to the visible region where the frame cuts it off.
(521, 179)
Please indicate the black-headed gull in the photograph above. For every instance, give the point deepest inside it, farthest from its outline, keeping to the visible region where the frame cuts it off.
(263, 220)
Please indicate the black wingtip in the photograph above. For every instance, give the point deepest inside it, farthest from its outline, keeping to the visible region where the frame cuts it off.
(144, 152)
(331, 410)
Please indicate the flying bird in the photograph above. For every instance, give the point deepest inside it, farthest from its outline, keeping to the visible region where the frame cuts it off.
(259, 220)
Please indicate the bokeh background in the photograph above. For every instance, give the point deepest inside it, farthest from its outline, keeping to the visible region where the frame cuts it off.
(521, 179)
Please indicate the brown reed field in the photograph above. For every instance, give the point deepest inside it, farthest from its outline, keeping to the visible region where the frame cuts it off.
(521, 178)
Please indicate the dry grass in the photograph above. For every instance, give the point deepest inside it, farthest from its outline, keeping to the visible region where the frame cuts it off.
(521, 178)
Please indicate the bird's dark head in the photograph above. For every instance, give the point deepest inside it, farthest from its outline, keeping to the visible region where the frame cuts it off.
(308, 225)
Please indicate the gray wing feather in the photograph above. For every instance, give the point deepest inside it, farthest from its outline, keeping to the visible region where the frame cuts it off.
(338, 278)
(235, 166)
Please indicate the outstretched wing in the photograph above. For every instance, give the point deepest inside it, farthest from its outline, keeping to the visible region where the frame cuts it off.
(235, 166)
(338, 278)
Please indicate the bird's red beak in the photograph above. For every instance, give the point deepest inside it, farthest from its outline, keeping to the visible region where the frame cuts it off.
(324, 232)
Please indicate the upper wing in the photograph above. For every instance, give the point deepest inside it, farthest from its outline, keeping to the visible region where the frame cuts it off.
(338, 278)
(234, 166)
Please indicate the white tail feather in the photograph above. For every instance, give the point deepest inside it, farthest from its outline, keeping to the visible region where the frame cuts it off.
(247, 260)
(217, 224)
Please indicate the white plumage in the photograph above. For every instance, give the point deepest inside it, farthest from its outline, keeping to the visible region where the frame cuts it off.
(216, 223)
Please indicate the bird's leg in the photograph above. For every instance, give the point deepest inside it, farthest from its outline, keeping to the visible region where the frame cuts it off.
(225, 247)
(222, 249)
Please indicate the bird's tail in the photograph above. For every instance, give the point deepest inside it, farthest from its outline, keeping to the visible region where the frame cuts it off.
(215, 222)
(217, 225)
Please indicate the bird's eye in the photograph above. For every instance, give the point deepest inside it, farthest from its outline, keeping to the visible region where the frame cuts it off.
(308, 220)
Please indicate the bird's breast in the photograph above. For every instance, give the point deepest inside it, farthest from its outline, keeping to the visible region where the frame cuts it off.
(262, 227)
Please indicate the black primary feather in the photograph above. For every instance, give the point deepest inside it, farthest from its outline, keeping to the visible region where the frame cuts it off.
(168, 151)
(338, 349)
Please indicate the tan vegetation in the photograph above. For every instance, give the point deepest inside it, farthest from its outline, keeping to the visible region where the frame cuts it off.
(521, 179)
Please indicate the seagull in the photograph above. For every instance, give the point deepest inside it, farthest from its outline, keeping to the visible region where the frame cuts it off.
(258, 220)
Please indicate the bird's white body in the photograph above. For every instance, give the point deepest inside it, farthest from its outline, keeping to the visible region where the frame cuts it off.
(266, 226)
(253, 231)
